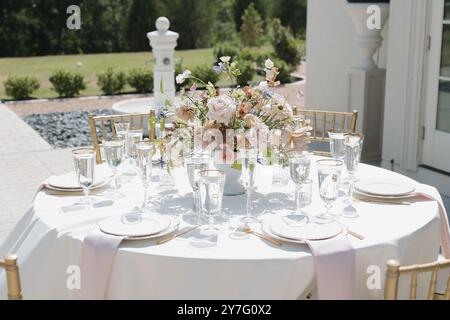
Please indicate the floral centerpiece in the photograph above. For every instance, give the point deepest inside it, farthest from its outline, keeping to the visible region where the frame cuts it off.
(215, 120)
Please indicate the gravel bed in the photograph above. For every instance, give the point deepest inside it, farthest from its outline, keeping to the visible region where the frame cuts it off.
(64, 129)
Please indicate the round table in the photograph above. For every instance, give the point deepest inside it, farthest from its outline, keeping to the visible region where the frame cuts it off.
(48, 243)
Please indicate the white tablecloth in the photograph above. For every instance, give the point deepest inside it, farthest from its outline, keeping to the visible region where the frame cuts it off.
(48, 243)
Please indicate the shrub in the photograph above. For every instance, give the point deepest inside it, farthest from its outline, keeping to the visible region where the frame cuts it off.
(285, 45)
(21, 88)
(227, 48)
(111, 81)
(206, 73)
(247, 69)
(252, 27)
(67, 83)
(284, 70)
(141, 80)
(255, 56)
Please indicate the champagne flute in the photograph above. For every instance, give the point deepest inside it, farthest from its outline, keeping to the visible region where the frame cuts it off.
(353, 148)
(144, 151)
(114, 154)
(299, 165)
(84, 160)
(329, 173)
(211, 186)
(133, 137)
(196, 163)
(121, 129)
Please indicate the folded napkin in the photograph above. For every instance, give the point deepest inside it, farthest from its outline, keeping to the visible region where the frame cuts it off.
(429, 193)
(97, 258)
(335, 267)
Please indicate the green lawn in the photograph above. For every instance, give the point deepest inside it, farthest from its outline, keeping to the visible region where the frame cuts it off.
(42, 67)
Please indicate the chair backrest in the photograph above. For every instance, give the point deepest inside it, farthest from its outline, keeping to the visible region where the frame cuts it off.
(12, 277)
(394, 271)
(103, 126)
(324, 121)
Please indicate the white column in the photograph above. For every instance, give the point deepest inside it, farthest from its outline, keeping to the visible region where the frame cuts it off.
(366, 80)
(163, 42)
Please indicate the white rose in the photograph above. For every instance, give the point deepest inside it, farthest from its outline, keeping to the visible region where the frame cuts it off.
(269, 64)
(180, 78)
(225, 59)
(187, 74)
(263, 85)
(221, 109)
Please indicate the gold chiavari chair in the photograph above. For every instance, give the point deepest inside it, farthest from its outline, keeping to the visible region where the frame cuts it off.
(324, 121)
(12, 277)
(394, 271)
(102, 126)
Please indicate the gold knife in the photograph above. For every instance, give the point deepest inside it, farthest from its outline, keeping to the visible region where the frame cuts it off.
(176, 235)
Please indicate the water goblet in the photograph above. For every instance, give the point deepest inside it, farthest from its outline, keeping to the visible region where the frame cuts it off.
(299, 166)
(329, 173)
(211, 185)
(337, 144)
(114, 155)
(353, 148)
(84, 160)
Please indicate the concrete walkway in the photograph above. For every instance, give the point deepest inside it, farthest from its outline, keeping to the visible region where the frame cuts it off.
(25, 161)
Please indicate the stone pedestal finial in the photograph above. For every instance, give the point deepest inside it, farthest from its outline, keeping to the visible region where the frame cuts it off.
(163, 42)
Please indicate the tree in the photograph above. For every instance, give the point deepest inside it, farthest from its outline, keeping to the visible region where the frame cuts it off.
(292, 14)
(252, 27)
(264, 8)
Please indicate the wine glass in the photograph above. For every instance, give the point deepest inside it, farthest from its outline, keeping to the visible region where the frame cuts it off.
(211, 186)
(196, 163)
(337, 144)
(353, 148)
(84, 160)
(299, 166)
(114, 154)
(329, 173)
(144, 152)
(121, 129)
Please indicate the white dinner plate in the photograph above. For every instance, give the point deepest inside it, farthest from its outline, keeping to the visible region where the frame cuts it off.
(265, 228)
(97, 186)
(149, 225)
(368, 196)
(310, 231)
(384, 188)
(174, 224)
(70, 180)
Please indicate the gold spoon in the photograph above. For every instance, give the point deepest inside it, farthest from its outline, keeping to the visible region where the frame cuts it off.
(248, 230)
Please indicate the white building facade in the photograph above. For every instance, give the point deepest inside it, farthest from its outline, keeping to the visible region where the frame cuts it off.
(407, 97)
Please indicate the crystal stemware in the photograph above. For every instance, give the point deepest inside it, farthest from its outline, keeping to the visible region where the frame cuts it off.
(353, 148)
(133, 137)
(114, 155)
(337, 144)
(144, 152)
(196, 163)
(84, 160)
(211, 186)
(299, 165)
(329, 173)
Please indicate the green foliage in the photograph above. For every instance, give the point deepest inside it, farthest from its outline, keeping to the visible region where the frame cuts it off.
(206, 73)
(67, 83)
(111, 81)
(141, 18)
(248, 71)
(252, 27)
(285, 45)
(264, 8)
(21, 88)
(230, 49)
(141, 80)
(251, 55)
(292, 14)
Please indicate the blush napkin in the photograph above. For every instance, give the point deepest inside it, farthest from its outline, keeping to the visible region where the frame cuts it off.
(334, 261)
(97, 259)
